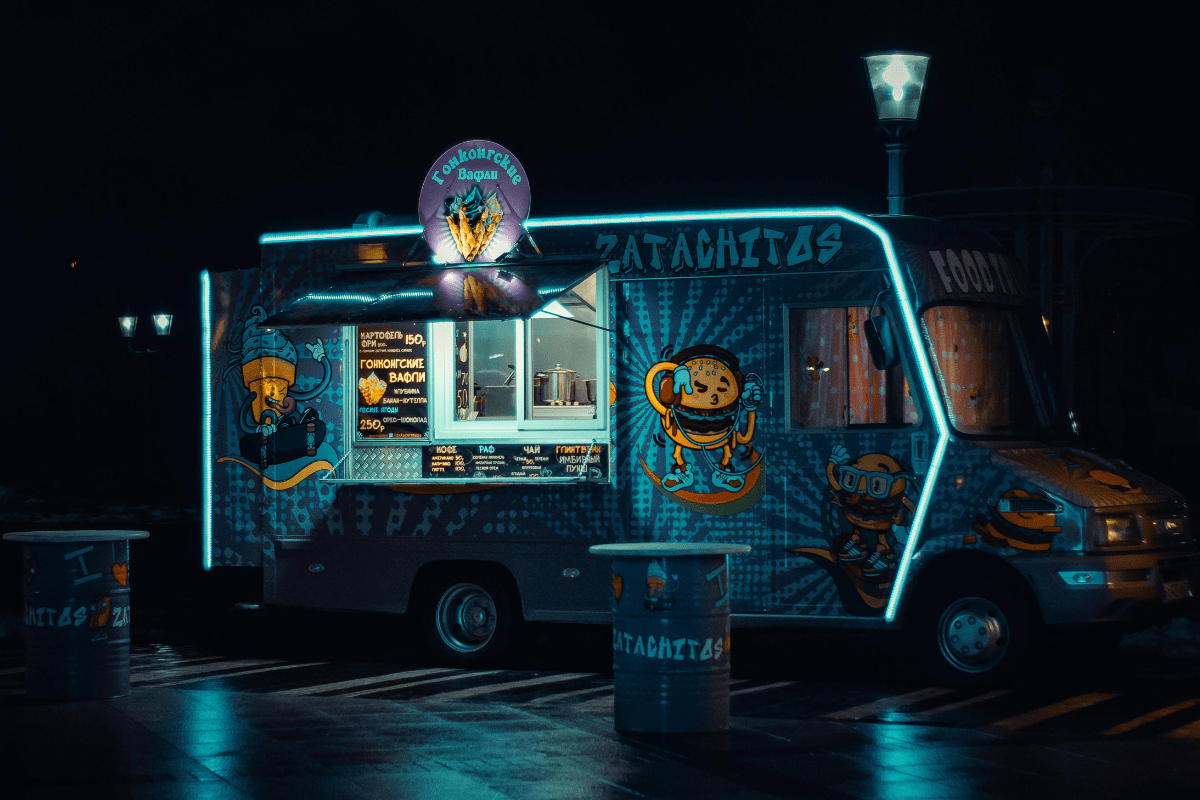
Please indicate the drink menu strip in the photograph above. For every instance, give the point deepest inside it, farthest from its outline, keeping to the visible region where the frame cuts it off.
(464, 462)
(393, 395)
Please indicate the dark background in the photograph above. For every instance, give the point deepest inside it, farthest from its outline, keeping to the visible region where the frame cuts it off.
(140, 144)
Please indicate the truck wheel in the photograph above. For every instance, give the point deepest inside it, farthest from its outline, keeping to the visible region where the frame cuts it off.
(972, 633)
(468, 618)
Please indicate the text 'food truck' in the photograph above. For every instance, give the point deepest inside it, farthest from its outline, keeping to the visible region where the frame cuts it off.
(443, 417)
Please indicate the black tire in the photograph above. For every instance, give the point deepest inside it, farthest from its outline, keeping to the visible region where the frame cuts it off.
(968, 633)
(468, 616)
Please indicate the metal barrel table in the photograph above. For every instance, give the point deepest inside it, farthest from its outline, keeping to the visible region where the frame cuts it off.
(670, 635)
(76, 613)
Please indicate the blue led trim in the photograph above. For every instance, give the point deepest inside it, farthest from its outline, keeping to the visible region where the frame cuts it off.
(422, 293)
(924, 367)
(362, 298)
(352, 233)
(206, 493)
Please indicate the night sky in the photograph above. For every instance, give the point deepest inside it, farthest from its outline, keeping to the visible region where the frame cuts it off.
(143, 144)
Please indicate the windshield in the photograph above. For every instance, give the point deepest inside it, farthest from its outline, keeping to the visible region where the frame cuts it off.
(996, 370)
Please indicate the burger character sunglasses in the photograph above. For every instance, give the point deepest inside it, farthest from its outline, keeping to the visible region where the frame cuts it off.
(879, 484)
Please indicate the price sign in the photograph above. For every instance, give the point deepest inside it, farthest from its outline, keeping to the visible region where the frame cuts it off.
(393, 395)
(466, 462)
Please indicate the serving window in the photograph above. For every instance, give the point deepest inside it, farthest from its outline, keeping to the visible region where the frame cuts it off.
(541, 373)
(484, 399)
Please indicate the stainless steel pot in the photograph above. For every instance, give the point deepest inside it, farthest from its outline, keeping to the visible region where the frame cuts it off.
(556, 386)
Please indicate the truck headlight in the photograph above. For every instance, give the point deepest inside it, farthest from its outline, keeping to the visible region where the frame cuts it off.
(1119, 529)
(1171, 527)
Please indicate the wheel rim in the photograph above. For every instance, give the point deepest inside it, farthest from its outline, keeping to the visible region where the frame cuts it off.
(973, 634)
(466, 618)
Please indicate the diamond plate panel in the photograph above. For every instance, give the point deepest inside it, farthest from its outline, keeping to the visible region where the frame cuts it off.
(394, 463)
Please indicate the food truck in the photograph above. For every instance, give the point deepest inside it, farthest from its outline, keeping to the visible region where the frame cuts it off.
(441, 418)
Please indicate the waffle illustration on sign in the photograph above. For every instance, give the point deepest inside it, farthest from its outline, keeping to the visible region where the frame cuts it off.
(473, 221)
(372, 388)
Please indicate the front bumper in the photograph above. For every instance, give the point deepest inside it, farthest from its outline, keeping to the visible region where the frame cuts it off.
(1127, 587)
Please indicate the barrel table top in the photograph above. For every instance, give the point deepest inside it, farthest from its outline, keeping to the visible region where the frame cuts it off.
(53, 537)
(668, 549)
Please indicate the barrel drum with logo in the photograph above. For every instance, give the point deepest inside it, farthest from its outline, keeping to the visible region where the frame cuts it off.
(76, 610)
(670, 635)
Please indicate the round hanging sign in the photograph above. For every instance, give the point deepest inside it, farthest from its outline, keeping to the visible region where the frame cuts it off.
(473, 203)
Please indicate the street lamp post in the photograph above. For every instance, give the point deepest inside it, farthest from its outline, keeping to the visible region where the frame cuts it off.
(897, 80)
(129, 322)
(161, 322)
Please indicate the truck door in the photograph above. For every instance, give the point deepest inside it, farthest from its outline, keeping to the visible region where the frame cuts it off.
(849, 453)
(691, 393)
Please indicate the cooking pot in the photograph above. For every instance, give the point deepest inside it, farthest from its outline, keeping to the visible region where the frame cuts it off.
(556, 386)
(588, 390)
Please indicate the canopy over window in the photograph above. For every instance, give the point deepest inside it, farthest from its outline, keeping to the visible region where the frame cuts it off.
(488, 291)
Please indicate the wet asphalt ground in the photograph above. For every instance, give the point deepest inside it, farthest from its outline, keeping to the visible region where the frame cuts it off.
(245, 702)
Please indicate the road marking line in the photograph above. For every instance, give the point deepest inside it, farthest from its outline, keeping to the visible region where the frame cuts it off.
(179, 664)
(867, 709)
(763, 688)
(1189, 731)
(498, 687)
(241, 672)
(180, 672)
(970, 701)
(1048, 712)
(1153, 715)
(353, 684)
(603, 700)
(459, 674)
(546, 698)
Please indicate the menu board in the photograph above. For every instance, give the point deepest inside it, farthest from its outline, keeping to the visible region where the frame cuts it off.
(473, 461)
(393, 395)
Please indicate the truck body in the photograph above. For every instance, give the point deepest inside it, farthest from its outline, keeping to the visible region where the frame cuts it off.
(870, 403)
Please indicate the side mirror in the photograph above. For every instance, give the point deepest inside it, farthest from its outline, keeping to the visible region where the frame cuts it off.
(881, 341)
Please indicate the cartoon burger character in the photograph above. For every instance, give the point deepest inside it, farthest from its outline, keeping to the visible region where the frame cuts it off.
(869, 493)
(700, 395)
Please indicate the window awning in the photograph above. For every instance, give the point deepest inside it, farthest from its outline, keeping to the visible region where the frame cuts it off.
(487, 291)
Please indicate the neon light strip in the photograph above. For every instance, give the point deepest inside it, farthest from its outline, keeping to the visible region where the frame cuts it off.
(695, 216)
(921, 356)
(206, 499)
(352, 233)
(910, 322)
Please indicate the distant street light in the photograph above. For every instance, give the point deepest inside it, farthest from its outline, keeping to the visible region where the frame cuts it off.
(129, 323)
(897, 82)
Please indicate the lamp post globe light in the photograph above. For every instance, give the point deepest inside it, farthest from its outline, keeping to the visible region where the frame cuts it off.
(897, 79)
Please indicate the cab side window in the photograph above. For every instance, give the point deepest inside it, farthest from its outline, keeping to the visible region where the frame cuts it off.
(831, 380)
